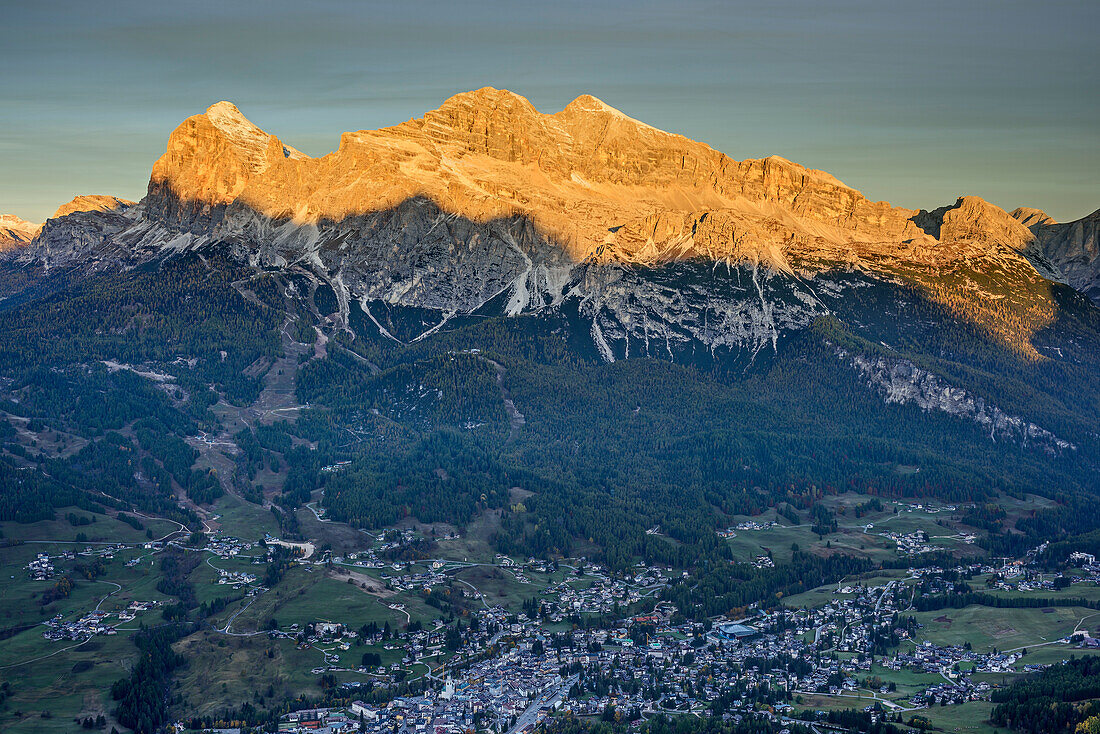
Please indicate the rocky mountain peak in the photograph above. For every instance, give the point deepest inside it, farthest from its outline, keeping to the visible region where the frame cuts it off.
(498, 102)
(91, 203)
(1071, 250)
(590, 178)
(210, 158)
(588, 103)
(16, 232)
(655, 239)
(1030, 217)
(973, 219)
(550, 193)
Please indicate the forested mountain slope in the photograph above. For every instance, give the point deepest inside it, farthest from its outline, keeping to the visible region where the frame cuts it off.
(627, 324)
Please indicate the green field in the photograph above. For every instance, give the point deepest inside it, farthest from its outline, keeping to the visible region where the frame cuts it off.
(967, 717)
(851, 537)
(21, 598)
(104, 529)
(1087, 591)
(243, 519)
(224, 671)
(908, 681)
(972, 717)
(305, 596)
(500, 587)
(329, 600)
(68, 684)
(1048, 654)
(473, 546)
(1004, 629)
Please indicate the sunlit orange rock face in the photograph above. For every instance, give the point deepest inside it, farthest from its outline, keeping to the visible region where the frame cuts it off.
(15, 232)
(585, 185)
(91, 203)
(602, 185)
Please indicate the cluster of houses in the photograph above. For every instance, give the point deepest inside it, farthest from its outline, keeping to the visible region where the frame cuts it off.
(383, 543)
(226, 546)
(911, 544)
(1088, 566)
(1083, 639)
(89, 625)
(924, 507)
(507, 670)
(41, 568)
(93, 623)
(1086, 561)
(946, 693)
(945, 659)
(601, 596)
(319, 721)
(731, 532)
(425, 581)
(669, 662)
(499, 693)
(754, 525)
(1027, 583)
(236, 579)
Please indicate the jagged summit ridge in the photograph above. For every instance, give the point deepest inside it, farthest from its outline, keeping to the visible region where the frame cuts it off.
(486, 198)
(1070, 250)
(91, 203)
(596, 181)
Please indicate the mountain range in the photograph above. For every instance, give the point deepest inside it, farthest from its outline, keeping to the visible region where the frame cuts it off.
(489, 265)
(542, 199)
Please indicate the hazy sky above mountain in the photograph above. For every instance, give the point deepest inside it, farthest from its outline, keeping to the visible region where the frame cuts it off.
(915, 103)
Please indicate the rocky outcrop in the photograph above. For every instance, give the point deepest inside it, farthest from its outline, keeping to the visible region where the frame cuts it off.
(656, 237)
(902, 382)
(1071, 250)
(973, 220)
(488, 198)
(83, 234)
(1030, 217)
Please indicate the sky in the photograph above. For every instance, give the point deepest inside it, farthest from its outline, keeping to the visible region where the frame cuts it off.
(915, 103)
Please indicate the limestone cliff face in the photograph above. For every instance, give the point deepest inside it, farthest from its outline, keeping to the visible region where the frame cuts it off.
(92, 203)
(1029, 216)
(16, 233)
(487, 198)
(902, 382)
(1070, 250)
(81, 234)
(971, 219)
(210, 160)
(597, 182)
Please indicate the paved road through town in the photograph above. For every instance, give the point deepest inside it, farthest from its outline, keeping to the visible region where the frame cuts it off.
(547, 700)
